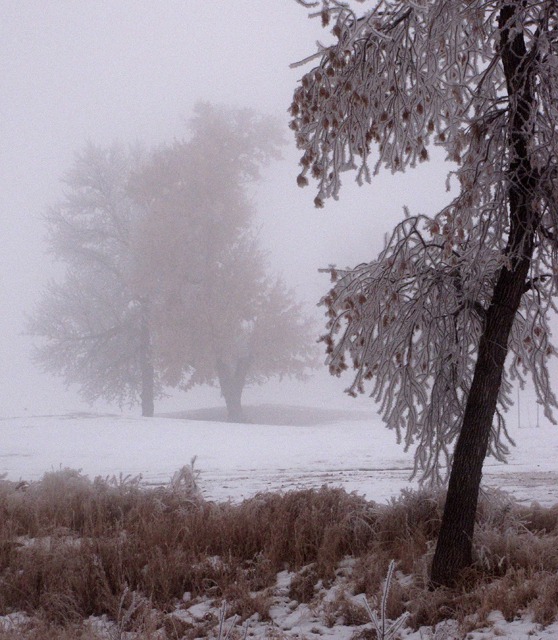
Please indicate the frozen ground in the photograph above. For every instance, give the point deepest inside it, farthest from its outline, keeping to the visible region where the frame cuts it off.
(284, 447)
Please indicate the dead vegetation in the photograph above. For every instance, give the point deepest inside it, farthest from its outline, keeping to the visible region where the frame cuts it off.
(76, 552)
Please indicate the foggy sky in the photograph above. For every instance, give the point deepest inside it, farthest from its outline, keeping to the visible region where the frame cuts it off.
(132, 70)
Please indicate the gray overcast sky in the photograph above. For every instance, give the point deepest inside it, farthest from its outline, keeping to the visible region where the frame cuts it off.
(132, 70)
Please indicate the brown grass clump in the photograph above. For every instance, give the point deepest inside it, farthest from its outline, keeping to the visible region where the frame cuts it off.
(539, 519)
(303, 584)
(245, 603)
(344, 610)
(545, 605)
(71, 548)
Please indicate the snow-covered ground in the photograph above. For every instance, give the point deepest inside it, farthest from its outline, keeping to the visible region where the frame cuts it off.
(291, 447)
(284, 447)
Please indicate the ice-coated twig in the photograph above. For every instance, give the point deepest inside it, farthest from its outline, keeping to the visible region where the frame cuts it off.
(225, 635)
(386, 630)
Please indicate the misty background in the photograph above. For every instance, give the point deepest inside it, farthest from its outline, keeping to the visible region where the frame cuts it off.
(132, 71)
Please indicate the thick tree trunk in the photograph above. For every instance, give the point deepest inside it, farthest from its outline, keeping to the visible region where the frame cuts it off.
(233, 393)
(232, 381)
(146, 363)
(454, 548)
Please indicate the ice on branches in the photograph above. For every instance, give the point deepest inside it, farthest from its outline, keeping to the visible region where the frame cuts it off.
(409, 74)
(400, 77)
(410, 323)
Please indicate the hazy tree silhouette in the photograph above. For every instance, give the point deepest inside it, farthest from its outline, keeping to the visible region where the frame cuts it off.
(218, 316)
(94, 322)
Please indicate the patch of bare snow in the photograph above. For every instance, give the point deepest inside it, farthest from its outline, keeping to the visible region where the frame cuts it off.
(239, 460)
(12, 621)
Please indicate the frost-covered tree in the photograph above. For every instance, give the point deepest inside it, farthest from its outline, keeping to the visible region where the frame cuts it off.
(94, 321)
(218, 316)
(457, 304)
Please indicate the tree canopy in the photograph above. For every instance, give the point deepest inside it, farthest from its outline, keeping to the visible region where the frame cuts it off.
(221, 316)
(94, 321)
(165, 282)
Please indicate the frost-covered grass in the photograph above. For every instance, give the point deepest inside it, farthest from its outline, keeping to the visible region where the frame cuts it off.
(82, 558)
(261, 538)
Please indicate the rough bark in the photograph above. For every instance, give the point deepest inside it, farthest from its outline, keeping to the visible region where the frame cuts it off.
(232, 380)
(454, 547)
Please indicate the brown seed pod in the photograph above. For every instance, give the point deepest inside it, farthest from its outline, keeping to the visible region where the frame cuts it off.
(301, 180)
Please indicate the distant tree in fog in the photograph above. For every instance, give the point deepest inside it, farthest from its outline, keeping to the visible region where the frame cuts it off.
(94, 322)
(164, 281)
(218, 316)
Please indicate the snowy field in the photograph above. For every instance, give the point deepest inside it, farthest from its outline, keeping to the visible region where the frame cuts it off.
(285, 447)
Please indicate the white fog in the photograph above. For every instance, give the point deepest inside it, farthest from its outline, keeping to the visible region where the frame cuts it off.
(133, 72)
(177, 461)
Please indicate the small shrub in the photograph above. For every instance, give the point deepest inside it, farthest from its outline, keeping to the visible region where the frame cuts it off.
(345, 610)
(303, 584)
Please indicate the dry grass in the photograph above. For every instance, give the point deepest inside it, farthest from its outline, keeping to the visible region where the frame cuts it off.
(71, 548)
